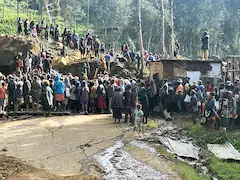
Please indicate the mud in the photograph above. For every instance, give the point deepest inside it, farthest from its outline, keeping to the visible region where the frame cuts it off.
(119, 164)
(82, 147)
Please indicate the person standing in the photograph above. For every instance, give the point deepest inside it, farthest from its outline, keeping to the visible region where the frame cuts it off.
(194, 106)
(205, 46)
(138, 61)
(108, 60)
(132, 56)
(52, 31)
(47, 97)
(117, 104)
(58, 89)
(102, 48)
(179, 95)
(56, 33)
(139, 116)
(126, 102)
(28, 63)
(144, 101)
(232, 106)
(19, 62)
(83, 96)
(31, 25)
(110, 91)
(2, 97)
(101, 93)
(133, 99)
(27, 26)
(26, 91)
(67, 85)
(75, 39)
(35, 92)
(124, 49)
(46, 32)
(19, 25)
(11, 89)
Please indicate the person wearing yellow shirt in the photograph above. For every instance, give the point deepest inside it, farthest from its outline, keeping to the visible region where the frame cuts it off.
(179, 94)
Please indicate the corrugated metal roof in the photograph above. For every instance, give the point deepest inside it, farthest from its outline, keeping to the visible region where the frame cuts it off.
(181, 149)
(224, 151)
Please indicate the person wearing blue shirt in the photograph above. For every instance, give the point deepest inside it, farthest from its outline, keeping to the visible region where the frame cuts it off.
(107, 59)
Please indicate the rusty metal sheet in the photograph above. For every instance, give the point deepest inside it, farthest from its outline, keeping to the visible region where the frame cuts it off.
(181, 149)
(224, 151)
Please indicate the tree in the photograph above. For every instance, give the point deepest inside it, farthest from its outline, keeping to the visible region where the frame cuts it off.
(140, 35)
(171, 33)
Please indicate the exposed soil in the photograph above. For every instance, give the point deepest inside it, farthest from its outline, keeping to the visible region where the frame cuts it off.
(75, 147)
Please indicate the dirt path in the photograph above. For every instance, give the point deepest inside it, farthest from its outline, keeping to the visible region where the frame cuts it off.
(71, 145)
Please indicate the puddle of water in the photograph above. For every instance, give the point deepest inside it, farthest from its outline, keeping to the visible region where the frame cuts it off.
(120, 165)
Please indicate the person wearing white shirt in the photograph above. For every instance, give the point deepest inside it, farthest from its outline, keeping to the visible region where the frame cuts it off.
(28, 63)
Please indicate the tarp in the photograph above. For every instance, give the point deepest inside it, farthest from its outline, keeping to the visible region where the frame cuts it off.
(224, 151)
(181, 149)
(194, 76)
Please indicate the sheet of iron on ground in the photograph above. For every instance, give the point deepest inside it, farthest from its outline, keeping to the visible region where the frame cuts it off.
(224, 151)
(181, 149)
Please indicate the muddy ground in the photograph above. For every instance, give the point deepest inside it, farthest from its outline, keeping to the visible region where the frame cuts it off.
(78, 147)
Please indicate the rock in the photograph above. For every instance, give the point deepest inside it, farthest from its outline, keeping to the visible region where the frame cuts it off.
(4, 149)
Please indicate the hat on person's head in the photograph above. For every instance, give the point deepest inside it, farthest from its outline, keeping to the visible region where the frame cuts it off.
(76, 78)
(180, 80)
(228, 83)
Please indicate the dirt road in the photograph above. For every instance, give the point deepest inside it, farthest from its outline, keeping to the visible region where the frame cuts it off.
(71, 145)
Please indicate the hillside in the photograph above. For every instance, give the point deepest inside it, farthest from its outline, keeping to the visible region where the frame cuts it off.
(8, 17)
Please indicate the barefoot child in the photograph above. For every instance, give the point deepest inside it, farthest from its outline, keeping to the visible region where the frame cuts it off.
(138, 118)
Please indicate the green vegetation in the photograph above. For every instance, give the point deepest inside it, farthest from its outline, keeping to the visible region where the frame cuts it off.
(185, 171)
(191, 17)
(224, 170)
(8, 21)
(203, 136)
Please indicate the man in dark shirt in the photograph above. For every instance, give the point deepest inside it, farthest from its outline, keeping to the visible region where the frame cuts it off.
(205, 46)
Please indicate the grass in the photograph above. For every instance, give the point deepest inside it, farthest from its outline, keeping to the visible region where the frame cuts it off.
(8, 23)
(152, 125)
(203, 136)
(224, 170)
(185, 171)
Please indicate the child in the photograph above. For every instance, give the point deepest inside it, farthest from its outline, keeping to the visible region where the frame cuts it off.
(2, 97)
(138, 113)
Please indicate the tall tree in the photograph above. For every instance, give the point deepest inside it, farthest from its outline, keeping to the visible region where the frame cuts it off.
(139, 3)
(163, 48)
(171, 33)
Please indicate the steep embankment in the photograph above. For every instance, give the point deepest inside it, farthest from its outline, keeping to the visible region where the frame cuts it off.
(10, 46)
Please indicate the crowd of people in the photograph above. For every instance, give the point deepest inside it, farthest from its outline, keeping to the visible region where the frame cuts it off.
(217, 106)
(36, 85)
